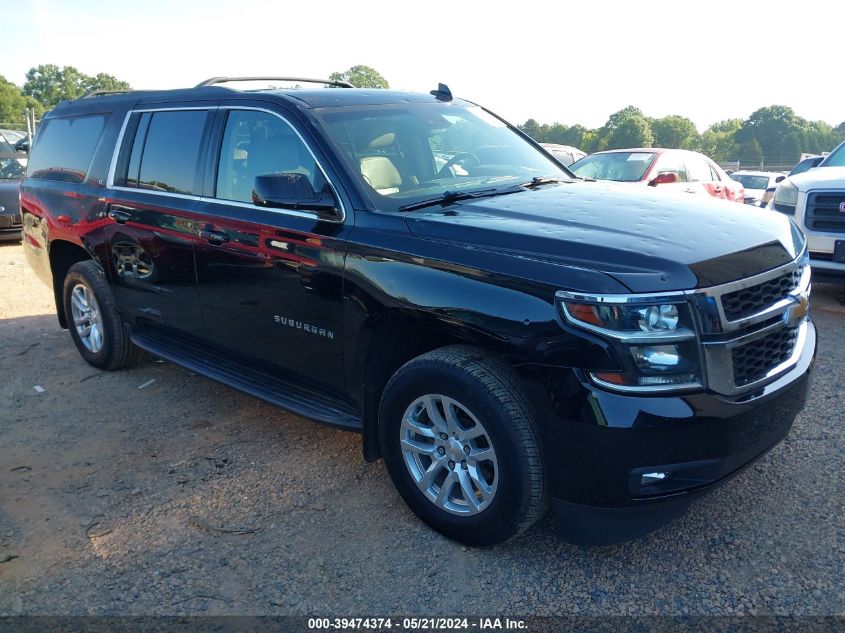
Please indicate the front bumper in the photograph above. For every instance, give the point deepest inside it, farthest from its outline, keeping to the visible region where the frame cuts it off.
(599, 444)
(824, 268)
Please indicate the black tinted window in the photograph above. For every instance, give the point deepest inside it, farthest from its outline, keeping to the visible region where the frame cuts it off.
(65, 147)
(171, 151)
(257, 143)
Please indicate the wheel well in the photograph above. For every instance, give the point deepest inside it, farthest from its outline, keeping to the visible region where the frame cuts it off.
(63, 255)
(389, 348)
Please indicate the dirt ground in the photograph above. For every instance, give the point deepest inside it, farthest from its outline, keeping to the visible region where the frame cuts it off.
(155, 491)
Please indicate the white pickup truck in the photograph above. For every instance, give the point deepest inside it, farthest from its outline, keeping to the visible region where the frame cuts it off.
(816, 199)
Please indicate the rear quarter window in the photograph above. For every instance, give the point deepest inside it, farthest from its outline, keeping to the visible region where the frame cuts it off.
(64, 148)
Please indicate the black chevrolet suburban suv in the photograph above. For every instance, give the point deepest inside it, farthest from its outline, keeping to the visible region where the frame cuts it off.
(504, 335)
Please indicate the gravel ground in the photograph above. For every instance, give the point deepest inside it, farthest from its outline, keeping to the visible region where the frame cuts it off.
(186, 497)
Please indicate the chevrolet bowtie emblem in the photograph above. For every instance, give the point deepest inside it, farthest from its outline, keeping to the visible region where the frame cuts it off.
(795, 314)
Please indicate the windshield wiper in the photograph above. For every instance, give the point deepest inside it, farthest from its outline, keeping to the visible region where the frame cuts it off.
(537, 181)
(449, 197)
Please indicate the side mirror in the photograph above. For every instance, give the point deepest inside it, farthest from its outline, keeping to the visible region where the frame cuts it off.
(779, 178)
(292, 191)
(22, 146)
(663, 178)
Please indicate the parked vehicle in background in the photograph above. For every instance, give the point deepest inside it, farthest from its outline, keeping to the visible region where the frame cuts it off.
(674, 169)
(11, 174)
(12, 136)
(22, 146)
(816, 199)
(806, 165)
(757, 183)
(507, 336)
(566, 154)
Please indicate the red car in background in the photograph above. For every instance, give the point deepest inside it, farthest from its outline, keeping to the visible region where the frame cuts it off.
(675, 169)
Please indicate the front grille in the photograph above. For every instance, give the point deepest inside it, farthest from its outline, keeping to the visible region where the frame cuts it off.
(744, 303)
(823, 212)
(753, 360)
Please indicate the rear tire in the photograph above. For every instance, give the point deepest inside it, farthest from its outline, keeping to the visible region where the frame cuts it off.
(94, 320)
(461, 442)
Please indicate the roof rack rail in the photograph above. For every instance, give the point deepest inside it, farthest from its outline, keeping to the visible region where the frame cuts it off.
(103, 93)
(220, 80)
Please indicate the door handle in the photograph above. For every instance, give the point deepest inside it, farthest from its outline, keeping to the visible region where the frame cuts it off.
(214, 237)
(121, 215)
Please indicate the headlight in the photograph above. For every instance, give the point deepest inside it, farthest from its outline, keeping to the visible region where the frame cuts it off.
(655, 338)
(786, 196)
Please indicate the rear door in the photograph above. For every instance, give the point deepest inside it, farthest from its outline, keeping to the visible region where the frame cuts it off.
(270, 279)
(152, 226)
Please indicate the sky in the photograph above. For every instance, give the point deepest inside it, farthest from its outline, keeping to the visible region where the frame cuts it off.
(568, 62)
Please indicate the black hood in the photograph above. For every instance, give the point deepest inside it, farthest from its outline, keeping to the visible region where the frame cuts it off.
(649, 240)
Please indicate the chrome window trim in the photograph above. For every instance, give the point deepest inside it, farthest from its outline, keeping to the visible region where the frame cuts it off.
(291, 212)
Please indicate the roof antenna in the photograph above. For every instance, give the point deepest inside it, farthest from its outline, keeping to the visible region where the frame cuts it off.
(442, 93)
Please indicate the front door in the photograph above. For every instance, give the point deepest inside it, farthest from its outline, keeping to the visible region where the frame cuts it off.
(270, 280)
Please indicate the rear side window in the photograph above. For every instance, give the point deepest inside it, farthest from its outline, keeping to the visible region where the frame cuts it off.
(165, 153)
(65, 147)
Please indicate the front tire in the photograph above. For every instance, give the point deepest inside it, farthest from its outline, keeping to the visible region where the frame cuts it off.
(94, 320)
(462, 445)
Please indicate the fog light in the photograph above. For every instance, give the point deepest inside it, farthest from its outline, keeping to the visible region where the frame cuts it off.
(652, 478)
(657, 357)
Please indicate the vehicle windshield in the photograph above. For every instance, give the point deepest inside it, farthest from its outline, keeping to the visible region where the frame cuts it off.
(805, 165)
(620, 166)
(6, 150)
(11, 169)
(11, 137)
(413, 152)
(836, 158)
(750, 181)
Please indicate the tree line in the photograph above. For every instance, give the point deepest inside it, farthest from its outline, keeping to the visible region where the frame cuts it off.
(774, 135)
(45, 86)
(48, 84)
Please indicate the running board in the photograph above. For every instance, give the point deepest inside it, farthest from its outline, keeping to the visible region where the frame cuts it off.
(231, 371)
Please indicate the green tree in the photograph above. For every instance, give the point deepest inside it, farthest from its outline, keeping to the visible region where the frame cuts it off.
(531, 128)
(361, 77)
(770, 126)
(751, 153)
(634, 131)
(48, 84)
(675, 132)
(616, 119)
(13, 104)
(103, 81)
(626, 128)
(719, 140)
